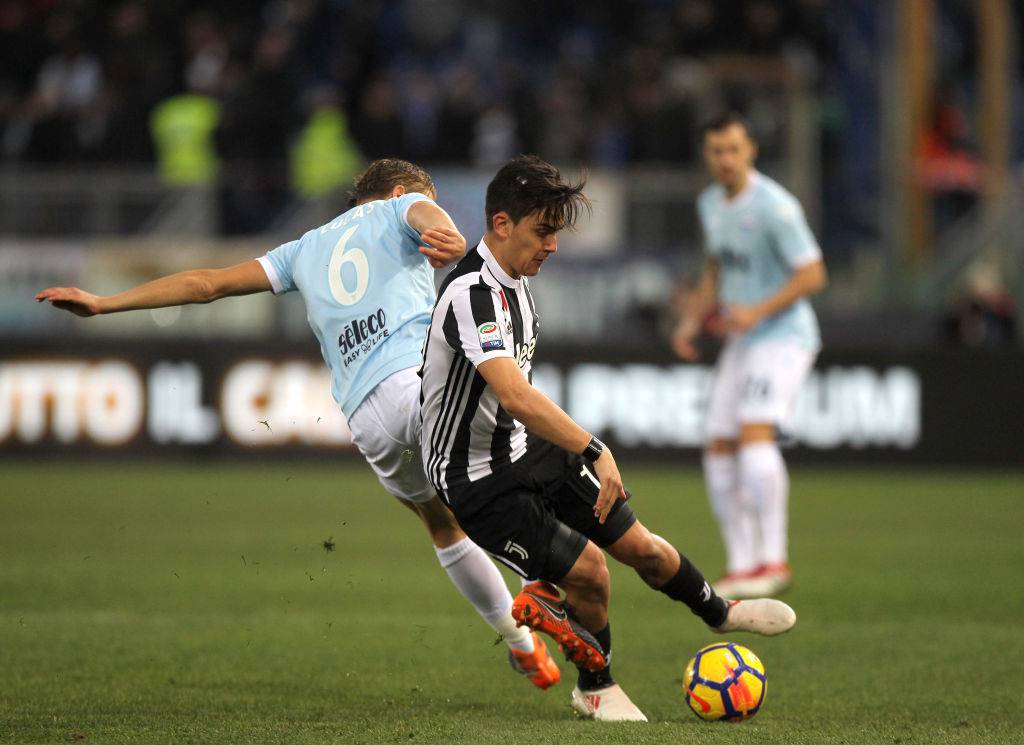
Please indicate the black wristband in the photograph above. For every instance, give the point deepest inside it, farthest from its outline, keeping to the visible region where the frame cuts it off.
(593, 450)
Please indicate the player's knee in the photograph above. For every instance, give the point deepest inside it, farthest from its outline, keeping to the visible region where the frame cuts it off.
(445, 537)
(440, 523)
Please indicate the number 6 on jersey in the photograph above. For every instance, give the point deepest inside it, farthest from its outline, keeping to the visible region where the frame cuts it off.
(355, 257)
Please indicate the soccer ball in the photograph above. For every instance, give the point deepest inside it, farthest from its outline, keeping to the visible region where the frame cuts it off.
(725, 681)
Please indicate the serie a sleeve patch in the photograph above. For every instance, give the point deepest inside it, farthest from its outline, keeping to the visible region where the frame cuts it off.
(490, 336)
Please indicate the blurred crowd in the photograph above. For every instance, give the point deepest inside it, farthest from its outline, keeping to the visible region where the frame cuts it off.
(983, 312)
(444, 81)
(274, 98)
(265, 100)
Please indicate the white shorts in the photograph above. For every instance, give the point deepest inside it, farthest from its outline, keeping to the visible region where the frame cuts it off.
(755, 384)
(386, 429)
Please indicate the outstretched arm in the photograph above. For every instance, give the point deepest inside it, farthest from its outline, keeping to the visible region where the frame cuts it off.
(443, 241)
(183, 288)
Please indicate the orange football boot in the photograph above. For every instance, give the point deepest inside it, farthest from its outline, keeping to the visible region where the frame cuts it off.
(540, 606)
(537, 665)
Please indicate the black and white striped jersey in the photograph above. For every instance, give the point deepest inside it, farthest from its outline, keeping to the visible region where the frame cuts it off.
(481, 313)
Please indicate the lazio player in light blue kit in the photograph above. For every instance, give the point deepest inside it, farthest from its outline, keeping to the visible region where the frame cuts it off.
(367, 282)
(762, 264)
(365, 290)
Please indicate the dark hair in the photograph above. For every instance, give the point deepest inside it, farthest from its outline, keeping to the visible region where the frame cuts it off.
(385, 174)
(528, 184)
(724, 121)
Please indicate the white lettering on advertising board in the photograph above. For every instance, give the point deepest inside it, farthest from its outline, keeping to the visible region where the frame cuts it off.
(268, 403)
(653, 406)
(102, 401)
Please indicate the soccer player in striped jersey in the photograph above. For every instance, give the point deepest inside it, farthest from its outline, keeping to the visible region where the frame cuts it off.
(524, 480)
(762, 265)
(367, 283)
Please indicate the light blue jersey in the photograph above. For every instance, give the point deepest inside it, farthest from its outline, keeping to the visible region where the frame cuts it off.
(369, 293)
(759, 239)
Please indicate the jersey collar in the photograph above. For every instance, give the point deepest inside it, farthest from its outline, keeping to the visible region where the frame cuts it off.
(495, 267)
(741, 199)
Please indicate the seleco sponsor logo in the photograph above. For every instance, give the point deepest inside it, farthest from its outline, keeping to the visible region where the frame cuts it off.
(362, 332)
(733, 259)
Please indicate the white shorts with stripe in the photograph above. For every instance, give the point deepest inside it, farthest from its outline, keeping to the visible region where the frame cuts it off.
(386, 429)
(755, 384)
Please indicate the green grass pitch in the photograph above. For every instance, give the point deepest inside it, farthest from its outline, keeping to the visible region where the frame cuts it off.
(178, 604)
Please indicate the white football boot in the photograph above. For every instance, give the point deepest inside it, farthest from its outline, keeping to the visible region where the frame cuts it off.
(763, 616)
(608, 704)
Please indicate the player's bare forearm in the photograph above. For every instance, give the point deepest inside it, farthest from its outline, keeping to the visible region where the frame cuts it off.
(705, 296)
(424, 215)
(443, 243)
(183, 288)
(804, 282)
(544, 418)
(699, 305)
(540, 414)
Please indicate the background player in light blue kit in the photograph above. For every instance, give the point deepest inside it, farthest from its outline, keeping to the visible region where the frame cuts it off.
(762, 264)
(369, 291)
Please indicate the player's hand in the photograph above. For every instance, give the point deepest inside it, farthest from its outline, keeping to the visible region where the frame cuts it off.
(684, 340)
(739, 319)
(715, 325)
(72, 299)
(611, 485)
(442, 246)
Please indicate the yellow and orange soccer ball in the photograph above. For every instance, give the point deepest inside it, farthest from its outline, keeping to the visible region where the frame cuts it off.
(725, 681)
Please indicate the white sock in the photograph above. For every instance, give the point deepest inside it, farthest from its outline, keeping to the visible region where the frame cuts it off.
(735, 518)
(480, 582)
(763, 474)
(516, 637)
